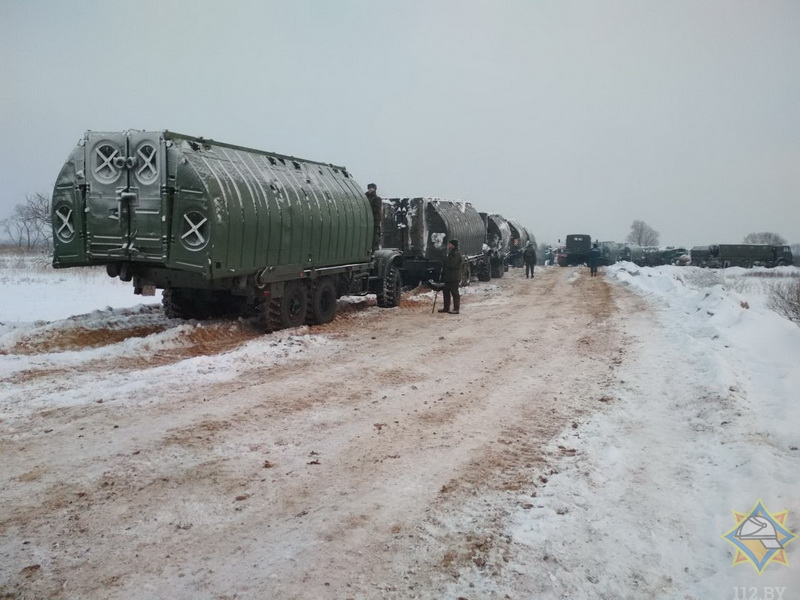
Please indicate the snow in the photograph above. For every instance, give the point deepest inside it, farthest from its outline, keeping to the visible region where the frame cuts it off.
(33, 291)
(704, 420)
(38, 302)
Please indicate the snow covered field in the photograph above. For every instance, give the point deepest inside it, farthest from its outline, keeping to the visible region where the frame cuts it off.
(700, 418)
(33, 291)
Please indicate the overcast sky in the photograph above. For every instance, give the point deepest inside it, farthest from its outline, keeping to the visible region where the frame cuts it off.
(571, 116)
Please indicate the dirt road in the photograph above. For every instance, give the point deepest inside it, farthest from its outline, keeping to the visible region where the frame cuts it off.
(354, 467)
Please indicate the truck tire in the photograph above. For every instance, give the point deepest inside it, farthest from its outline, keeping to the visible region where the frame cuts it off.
(391, 289)
(290, 309)
(321, 302)
(484, 270)
(182, 303)
(466, 274)
(498, 268)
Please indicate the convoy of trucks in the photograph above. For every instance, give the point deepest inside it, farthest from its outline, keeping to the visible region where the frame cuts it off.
(226, 229)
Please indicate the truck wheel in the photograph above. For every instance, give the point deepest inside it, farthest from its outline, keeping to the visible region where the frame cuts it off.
(186, 304)
(290, 309)
(391, 289)
(484, 270)
(321, 303)
(466, 274)
(497, 268)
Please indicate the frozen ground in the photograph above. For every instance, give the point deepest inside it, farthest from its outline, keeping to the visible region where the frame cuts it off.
(566, 437)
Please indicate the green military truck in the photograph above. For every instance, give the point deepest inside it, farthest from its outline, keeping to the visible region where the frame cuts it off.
(421, 229)
(722, 256)
(498, 240)
(520, 236)
(672, 255)
(220, 228)
(576, 250)
(609, 253)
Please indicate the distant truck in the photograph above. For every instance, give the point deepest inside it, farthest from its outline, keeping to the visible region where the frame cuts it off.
(520, 236)
(722, 256)
(632, 253)
(498, 241)
(652, 256)
(422, 227)
(675, 256)
(609, 253)
(576, 250)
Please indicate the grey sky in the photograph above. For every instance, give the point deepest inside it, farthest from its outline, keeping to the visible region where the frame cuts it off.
(571, 116)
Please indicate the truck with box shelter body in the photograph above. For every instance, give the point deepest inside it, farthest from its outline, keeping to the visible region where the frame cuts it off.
(220, 228)
(741, 255)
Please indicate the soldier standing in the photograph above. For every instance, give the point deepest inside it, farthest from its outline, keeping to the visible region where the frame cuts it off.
(451, 277)
(594, 259)
(376, 202)
(529, 256)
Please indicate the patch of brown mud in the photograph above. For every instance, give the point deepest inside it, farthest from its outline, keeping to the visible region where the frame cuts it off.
(80, 338)
(602, 304)
(217, 338)
(202, 340)
(484, 550)
(200, 434)
(32, 374)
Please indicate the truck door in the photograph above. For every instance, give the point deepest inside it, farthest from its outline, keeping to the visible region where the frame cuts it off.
(123, 202)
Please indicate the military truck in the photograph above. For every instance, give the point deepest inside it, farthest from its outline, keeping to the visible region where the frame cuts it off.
(741, 255)
(698, 256)
(609, 252)
(632, 253)
(519, 238)
(220, 228)
(652, 256)
(498, 241)
(576, 250)
(421, 230)
(672, 255)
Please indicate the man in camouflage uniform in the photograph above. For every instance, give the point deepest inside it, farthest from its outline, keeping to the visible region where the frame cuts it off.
(529, 256)
(376, 202)
(594, 259)
(452, 265)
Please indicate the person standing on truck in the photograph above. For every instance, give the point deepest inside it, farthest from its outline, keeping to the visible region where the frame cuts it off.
(529, 256)
(452, 265)
(594, 259)
(376, 202)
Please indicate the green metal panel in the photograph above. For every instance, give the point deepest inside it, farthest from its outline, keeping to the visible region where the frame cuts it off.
(107, 217)
(191, 232)
(425, 225)
(117, 180)
(69, 231)
(187, 203)
(146, 207)
(270, 210)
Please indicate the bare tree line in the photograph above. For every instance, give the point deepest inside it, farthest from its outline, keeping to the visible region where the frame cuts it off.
(644, 235)
(29, 227)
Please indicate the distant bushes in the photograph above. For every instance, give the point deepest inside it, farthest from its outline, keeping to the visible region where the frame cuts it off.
(784, 299)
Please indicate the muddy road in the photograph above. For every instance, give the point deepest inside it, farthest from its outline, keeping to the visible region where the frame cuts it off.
(149, 458)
